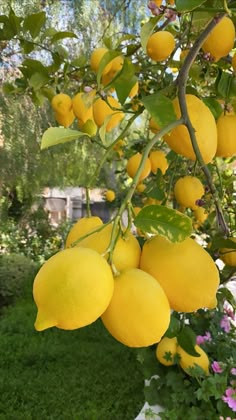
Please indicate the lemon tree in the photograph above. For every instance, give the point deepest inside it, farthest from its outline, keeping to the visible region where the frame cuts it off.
(159, 104)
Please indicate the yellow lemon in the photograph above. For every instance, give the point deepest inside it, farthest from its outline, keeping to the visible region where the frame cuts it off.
(205, 130)
(96, 58)
(72, 289)
(141, 187)
(81, 228)
(139, 312)
(133, 164)
(82, 106)
(134, 90)
(160, 45)
(65, 119)
(187, 361)
(62, 103)
(153, 126)
(110, 195)
(220, 41)
(127, 250)
(102, 112)
(188, 190)
(233, 63)
(158, 161)
(200, 214)
(186, 272)
(226, 140)
(166, 350)
(228, 255)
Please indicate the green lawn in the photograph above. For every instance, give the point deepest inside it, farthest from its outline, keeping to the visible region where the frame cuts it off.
(83, 374)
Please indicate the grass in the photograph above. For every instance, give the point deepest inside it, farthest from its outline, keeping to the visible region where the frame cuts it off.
(65, 375)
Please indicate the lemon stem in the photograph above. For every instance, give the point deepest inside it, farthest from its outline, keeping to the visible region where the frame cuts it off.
(181, 83)
(88, 209)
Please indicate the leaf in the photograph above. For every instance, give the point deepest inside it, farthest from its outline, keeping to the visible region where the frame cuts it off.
(187, 340)
(104, 61)
(33, 23)
(34, 66)
(7, 32)
(59, 135)
(220, 242)
(214, 106)
(160, 108)
(14, 21)
(27, 46)
(164, 221)
(125, 81)
(174, 327)
(188, 5)
(147, 30)
(223, 84)
(37, 80)
(62, 35)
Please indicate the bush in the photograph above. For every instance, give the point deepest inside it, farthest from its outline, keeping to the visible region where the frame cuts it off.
(16, 276)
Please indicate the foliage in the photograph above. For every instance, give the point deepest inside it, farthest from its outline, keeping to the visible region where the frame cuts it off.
(16, 275)
(56, 374)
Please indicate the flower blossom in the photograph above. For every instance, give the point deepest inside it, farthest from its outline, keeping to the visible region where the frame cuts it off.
(225, 324)
(230, 398)
(216, 367)
(202, 338)
(233, 371)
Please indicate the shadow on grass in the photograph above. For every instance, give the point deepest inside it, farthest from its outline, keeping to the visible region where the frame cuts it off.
(68, 375)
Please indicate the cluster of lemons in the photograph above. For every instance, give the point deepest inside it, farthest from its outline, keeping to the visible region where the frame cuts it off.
(133, 294)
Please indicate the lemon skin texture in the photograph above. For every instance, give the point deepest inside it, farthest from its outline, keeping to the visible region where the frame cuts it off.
(186, 272)
(139, 312)
(81, 228)
(72, 289)
(187, 361)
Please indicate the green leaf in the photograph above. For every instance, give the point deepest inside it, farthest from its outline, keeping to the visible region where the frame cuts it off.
(147, 30)
(174, 327)
(14, 21)
(8, 88)
(27, 46)
(160, 108)
(62, 35)
(104, 61)
(7, 32)
(164, 221)
(59, 135)
(33, 66)
(220, 242)
(125, 81)
(187, 340)
(37, 80)
(223, 84)
(33, 23)
(187, 5)
(214, 106)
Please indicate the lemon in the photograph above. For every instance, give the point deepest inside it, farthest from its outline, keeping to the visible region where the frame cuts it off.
(110, 195)
(82, 106)
(187, 361)
(160, 45)
(61, 103)
(81, 228)
(205, 130)
(96, 58)
(200, 214)
(127, 250)
(72, 289)
(166, 350)
(103, 113)
(188, 190)
(158, 161)
(226, 140)
(158, 2)
(134, 90)
(141, 187)
(228, 255)
(186, 272)
(133, 165)
(220, 41)
(65, 119)
(139, 313)
(89, 127)
(153, 126)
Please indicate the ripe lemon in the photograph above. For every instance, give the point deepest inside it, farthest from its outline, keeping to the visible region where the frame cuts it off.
(133, 164)
(139, 313)
(134, 90)
(188, 190)
(187, 361)
(61, 103)
(102, 112)
(166, 350)
(186, 272)
(205, 130)
(96, 58)
(160, 45)
(127, 250)
(81, 228)
(229, 255)
(82, 106)
(200, 214)
(72, 289)
(141, 187)
(226, 140)
(65, 119)
(110, 195)
(153, 126)
(158, 161)
(220, 41)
